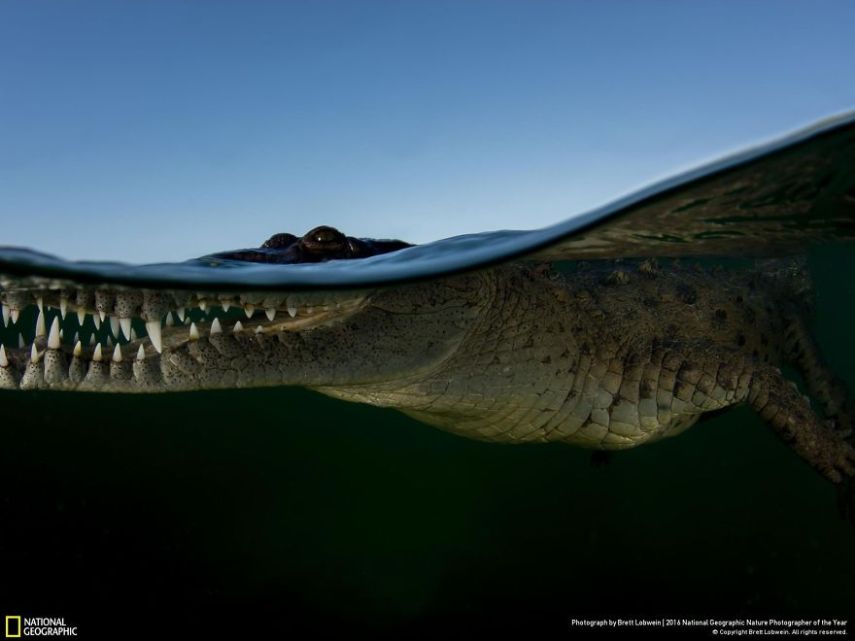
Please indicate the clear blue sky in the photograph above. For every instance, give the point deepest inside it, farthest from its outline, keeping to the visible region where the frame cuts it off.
(150, 130)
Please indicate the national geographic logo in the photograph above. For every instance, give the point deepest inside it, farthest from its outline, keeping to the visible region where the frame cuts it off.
(18, 626)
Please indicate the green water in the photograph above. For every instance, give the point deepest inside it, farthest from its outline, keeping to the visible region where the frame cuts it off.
(281, 510)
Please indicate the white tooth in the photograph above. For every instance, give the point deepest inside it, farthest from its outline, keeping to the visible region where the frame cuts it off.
(5, 315)
(109, 341)
(40, 324)
(97, 320)
(216, 328)
(91, 339)
(20, 341)
(249, 308)
(180, 312)
(75, 338)
(238, 327)
(13, 313)
(40, 303)
(153, 329)
(125, 325)
(4, 362)
(292, 310)
(259, 329)
(96, 355)
(194, 333)
(78, 349)
(34, 354)
(203, 305)
(140, 353)
(53, 337)
(114, 326)
(102, 315)
(63, 307)
(133, 334)
(81, 316)
(226, 305)
(271, 313)
(117, 354)
(170, 320)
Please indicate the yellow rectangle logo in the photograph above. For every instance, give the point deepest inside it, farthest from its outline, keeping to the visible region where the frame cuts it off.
(13, 627)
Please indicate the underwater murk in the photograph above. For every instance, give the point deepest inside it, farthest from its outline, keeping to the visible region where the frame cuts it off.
(283, 510)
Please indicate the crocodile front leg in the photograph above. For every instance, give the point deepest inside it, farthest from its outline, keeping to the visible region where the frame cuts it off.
(790, 415)
(676, 386)
(713, 379)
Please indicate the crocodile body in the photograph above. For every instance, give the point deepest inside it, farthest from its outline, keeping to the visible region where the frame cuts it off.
(605, 357)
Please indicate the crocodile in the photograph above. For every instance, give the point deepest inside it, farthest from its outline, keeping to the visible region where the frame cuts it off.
(608, 356)
(494, 337)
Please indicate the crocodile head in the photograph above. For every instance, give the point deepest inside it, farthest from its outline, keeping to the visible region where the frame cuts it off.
(107, 337)
(318, 245)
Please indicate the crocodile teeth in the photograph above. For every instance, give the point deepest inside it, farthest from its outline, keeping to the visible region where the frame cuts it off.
(96, 355)
(259, 329)
(34, 354)
(292, 310)
(226, 305)
(53, 337)
(20, 341)
(4, 362)
(249, 310)
(238, 327)
(180, 313)
(5, 315)
(40, 303)
(78, 349)
(153, 329)
(125, 325)
(114, 326)
(117, 354)
(81, 317)
(216, 328)
(202, 305)
(96, 318)
(40, 324)
(140, 353)
(194, 333)
(270, 313)
(63, 307)
(102, 315)
(14, 315)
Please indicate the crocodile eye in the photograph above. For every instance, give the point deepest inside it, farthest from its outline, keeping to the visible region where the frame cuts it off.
(324, 239)
(325, 235)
